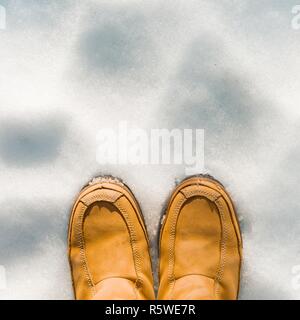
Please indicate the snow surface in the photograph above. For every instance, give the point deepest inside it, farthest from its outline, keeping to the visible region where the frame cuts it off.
(70, 68)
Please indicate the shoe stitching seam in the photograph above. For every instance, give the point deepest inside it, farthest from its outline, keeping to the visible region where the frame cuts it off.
(81, 245)
(133, 243)
(134, 247)
(223, 253)
(171, 255)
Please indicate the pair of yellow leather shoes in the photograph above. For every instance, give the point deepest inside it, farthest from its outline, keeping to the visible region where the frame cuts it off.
(200, 244)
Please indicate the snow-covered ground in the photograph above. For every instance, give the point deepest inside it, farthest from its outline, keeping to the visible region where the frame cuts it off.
(70, 68)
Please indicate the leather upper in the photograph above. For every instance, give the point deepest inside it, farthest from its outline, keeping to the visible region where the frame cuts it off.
(200, 243)
(108, 245)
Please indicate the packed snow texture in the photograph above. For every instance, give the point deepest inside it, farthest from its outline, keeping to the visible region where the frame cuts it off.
(71, 68)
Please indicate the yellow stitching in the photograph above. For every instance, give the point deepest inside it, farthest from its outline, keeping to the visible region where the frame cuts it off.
(134, 246)
(100, 196)
(223, 257)
(171, 256)
(81, 245)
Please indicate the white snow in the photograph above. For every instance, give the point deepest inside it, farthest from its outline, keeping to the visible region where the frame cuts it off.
(70, 68)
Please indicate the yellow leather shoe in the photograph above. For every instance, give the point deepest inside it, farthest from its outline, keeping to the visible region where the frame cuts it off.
(108, 244)
(200, 244)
